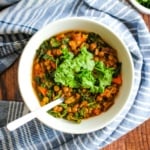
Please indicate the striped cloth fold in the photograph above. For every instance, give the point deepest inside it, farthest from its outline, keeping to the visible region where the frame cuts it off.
(21, 19)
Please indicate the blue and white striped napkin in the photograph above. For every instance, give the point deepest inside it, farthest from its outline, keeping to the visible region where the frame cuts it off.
(19, 20)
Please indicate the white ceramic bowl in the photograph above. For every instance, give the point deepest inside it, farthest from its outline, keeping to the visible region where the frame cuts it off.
(25, 74)
(140, 7)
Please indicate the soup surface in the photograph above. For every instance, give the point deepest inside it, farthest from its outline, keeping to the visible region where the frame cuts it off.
(80, 67)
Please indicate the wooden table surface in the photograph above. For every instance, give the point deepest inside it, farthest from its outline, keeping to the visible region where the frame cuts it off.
(138, 139)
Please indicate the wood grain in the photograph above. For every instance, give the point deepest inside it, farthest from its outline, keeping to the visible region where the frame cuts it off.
(9, 89)
(138, 139)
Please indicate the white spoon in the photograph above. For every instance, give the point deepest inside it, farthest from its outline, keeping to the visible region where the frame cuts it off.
(28, 117)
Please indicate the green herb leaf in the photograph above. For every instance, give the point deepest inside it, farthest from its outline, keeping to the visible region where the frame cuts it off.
(54, 43)
(48, 57)
(82, 71)
(104, 76)
(86, 78)
(66, 72)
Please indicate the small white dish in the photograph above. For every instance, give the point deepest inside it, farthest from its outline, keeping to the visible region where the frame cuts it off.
(141, 8)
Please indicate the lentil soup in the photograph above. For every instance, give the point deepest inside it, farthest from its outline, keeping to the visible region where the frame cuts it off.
(80, 67)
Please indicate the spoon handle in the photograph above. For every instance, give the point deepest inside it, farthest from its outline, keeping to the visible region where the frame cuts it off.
(28, 117)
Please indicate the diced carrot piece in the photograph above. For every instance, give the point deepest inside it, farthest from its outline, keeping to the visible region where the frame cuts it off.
(96, 111)
(117, 80)
(42, 90)
(73, 45)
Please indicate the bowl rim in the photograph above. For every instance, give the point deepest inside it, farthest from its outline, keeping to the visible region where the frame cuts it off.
(140, 7)
(114, 34)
